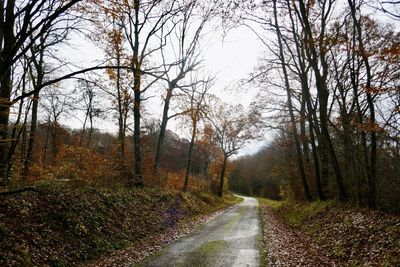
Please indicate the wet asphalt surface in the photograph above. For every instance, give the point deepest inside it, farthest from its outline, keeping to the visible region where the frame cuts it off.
(230, 239)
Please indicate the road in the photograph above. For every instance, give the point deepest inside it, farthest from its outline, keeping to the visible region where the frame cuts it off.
(230, 239)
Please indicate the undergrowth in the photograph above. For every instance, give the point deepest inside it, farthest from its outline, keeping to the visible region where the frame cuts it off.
(296, 213)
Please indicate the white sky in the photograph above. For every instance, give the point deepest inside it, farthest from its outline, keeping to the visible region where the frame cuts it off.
(232, 60)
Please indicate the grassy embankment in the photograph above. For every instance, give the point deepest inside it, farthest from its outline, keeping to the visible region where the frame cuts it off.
(348, 236)
(62, 225)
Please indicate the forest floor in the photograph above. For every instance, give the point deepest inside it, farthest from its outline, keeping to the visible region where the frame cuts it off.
(62, 224)
(328, 234)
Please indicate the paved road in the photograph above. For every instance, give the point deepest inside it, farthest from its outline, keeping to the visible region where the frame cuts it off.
(230, 239)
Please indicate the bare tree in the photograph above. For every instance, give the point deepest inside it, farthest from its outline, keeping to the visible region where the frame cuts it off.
(56, 105)
(233, 128)
(22, 23)
(194, 106)
(300, 161)
(390, 7)
(141, 22)
(40, 70)
(372, 159)
(91, 108)
(109, 36)
(319, 64)
(187, 28)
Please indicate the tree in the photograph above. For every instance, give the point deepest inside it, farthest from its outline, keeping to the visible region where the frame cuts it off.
(233, 128)
(91, 108)
(55, 105)
(372, 159)
(300, 161)
(22, 23)
(308, 105)
(141, 23)
(30, 27)
(341, 88)
(319, 64)
(40, 70)
(194, 107)
(390, 8)
(187, 27)
(285, 68)
(109, 36)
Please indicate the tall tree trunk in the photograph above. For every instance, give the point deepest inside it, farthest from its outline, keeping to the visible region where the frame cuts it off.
(222, 176)
(300, 161)
(318, 181)
(189, 158)
(303, 135)
(90, 123)
(54, 138)
(323, 95)
(121, 112)
(347, 147)
(32, 135)
(311, 129)
(16, 134)
(373, 158)
(17, 129)
(311, 114)
(323, 150)
(327, 141)
(138, 179)
(38, 64)
(163, 128)
(46, 144)
(5, 92)
(363, 156)
(83, 132)
(6, 53)
(371, 163)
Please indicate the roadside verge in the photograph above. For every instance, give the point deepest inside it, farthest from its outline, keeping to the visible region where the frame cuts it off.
(328, 234)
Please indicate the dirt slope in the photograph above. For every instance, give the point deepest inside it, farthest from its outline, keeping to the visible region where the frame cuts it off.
(61, 225)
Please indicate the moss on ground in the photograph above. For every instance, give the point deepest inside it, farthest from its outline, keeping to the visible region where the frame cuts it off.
(211, 247)
(63, 225)
(296, 213)
(274, 204)
(207, 251)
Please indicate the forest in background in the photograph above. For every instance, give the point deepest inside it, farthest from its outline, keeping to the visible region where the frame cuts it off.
(327, 83)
